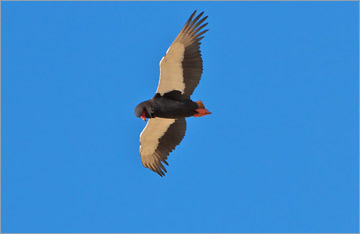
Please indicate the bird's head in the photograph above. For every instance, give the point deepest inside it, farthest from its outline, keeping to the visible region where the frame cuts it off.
(143, 110)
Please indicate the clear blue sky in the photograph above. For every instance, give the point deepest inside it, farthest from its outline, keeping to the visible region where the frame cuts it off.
(278, 154)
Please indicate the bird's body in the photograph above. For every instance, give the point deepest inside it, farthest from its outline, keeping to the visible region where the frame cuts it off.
(180, 73)
(172, 105)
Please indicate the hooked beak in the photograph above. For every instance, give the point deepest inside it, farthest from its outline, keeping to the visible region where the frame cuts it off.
(143, 116)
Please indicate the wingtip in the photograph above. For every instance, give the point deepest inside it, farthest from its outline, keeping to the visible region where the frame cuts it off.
(193, 14)
(161, 173)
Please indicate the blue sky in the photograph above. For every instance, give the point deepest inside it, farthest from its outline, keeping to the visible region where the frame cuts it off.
(278, 154)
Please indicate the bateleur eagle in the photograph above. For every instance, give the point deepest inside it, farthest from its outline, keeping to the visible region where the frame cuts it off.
(180, 73)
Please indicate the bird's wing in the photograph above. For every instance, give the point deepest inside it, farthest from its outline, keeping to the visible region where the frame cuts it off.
(181, 67)
(159, 137)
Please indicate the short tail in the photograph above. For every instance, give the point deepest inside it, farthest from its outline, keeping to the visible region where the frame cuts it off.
(200, 104)
(201, 111)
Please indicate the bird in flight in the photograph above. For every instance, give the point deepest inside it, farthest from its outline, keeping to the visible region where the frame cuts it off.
(180, 73)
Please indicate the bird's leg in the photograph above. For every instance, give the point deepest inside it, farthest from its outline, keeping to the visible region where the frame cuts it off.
(201, 112)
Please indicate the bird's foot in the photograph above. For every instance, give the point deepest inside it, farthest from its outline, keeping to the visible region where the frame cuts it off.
(201, 112)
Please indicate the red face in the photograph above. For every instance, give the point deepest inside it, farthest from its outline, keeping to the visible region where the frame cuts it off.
(143, 116)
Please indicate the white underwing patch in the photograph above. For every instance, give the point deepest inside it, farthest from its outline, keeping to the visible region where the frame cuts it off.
(149, 137)
(171, 70)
